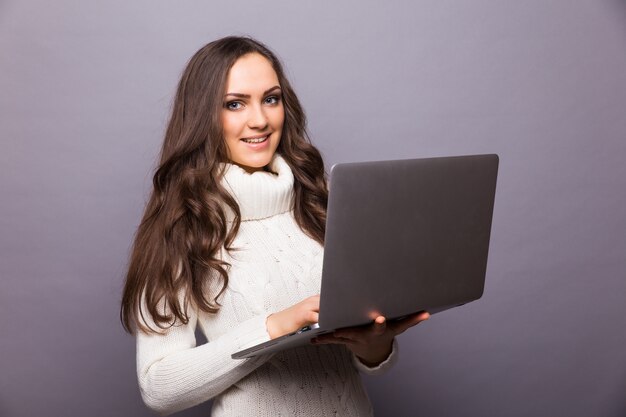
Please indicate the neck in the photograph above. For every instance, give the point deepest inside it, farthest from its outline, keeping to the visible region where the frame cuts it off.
(260, 194)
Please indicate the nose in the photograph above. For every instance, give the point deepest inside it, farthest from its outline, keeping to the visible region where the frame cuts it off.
(257, 118)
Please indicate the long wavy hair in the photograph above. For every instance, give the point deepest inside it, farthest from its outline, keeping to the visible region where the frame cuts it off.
(184, 228)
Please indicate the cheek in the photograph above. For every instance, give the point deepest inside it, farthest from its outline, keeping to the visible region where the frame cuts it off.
(231, 126)
(278, 117)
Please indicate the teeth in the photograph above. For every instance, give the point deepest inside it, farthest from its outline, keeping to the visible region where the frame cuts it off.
(259, 140)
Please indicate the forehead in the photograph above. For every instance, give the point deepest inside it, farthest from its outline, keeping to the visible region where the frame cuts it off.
(250, 73)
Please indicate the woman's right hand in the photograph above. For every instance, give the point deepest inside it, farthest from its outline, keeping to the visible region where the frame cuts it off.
(297, 316)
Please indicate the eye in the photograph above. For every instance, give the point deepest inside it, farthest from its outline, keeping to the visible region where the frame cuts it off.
(233, 105)
(272, 100)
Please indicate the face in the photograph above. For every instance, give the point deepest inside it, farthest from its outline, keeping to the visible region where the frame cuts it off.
(253, 113)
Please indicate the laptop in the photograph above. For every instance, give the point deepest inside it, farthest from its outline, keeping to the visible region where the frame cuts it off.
(402, 236)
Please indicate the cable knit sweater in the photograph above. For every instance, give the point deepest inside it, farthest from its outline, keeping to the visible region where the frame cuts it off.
(277, 266)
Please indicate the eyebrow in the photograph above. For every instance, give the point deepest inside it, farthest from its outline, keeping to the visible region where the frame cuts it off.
(248, 95)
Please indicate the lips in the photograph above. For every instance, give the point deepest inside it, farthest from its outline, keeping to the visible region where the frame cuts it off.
(256, 139)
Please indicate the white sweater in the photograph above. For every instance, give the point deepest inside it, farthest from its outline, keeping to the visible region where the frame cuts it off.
(277, 266)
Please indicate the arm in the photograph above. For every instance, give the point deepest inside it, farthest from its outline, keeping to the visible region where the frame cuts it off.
(175, 374)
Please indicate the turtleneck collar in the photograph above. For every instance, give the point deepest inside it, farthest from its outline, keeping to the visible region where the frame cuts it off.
(260, 194)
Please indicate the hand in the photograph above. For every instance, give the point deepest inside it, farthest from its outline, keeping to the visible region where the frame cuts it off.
(297, 316)
(372, 344)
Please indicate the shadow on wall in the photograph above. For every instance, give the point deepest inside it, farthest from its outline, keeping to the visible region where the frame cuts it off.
(201, 410)
(4, 5)
(619, 7)
(619, 408)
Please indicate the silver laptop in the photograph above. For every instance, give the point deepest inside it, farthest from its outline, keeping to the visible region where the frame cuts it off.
(402, 236)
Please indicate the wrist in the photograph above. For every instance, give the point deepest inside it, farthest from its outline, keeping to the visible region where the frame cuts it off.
(377, 356)
(269, 325)
(272, 327)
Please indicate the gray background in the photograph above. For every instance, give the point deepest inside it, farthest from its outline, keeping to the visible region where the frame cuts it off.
(85, 91)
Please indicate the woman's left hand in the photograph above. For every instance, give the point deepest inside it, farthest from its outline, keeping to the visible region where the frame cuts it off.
(372, 344)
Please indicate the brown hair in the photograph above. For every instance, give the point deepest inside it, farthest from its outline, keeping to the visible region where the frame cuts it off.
(183, 229)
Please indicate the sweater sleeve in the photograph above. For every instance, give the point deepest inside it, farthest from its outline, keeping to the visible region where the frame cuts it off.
(382, 367)
(175, 374)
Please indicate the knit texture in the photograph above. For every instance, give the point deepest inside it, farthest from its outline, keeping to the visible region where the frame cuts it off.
(276, 265)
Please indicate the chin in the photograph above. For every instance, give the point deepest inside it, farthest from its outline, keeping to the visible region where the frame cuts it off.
(256, 165)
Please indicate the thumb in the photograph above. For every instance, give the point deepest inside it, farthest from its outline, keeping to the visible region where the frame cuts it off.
(380, 325)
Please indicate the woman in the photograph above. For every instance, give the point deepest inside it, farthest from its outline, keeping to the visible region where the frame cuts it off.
(231, 241)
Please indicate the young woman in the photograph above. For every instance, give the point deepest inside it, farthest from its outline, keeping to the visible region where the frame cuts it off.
(232, 242)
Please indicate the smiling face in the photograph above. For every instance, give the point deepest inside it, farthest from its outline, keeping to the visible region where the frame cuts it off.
(253, 112)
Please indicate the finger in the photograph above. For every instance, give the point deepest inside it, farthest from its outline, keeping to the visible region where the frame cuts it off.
(362, 333)
(330, 340)
(380, 325)
(377, 327)
(313, 317)
(347, 334)
(314, 302)
(308, 317)
(415, 320)
(404, 324)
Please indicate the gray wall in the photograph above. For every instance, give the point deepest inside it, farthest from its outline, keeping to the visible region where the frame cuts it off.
(85, 89)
